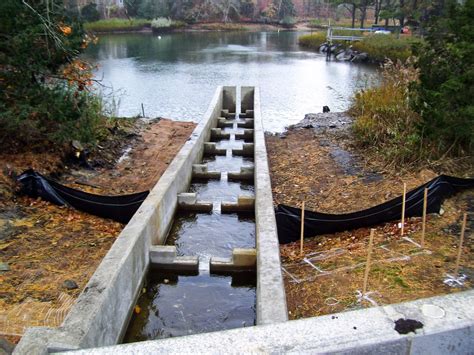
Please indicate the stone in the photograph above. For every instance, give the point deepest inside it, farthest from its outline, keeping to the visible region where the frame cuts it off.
(4, 267)
(70, 285)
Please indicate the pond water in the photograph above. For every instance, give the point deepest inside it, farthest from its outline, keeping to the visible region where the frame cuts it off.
(175, 75)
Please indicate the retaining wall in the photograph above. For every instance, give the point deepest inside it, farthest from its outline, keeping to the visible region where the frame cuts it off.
(271, 298)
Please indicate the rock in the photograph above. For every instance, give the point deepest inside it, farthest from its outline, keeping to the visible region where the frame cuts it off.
(4, 266)
(77, 145)
(70, 285)
(6, 347)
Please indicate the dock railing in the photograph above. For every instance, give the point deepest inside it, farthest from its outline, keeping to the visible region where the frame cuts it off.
(331, 36)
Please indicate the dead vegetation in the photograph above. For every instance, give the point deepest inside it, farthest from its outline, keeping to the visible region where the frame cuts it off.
(47, 252)
(326, 171)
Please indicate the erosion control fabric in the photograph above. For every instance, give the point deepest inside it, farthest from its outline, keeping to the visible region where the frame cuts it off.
(315, 223)
(118, 208)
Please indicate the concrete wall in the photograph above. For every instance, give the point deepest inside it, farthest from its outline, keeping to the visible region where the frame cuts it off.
(102, 310)
(448, 328)
(271, 298)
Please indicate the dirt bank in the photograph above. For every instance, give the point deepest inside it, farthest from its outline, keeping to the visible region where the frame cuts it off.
(318, 162)
(48, 253)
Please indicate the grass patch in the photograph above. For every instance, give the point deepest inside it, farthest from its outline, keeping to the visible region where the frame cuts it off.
(116, 24)
(379, 47)
(223, 27)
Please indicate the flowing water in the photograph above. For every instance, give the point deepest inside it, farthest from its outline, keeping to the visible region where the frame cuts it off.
(175, 75)
(175, 305)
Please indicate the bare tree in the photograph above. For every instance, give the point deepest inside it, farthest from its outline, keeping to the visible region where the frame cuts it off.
(225, 7)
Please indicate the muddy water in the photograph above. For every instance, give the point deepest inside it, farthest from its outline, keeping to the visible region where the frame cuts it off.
(175, 305)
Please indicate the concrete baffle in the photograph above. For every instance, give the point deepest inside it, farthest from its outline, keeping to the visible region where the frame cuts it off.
(243, 204)
(241, 260)
(246, 174)
(187, 201)
(246, 135)
(246, 151)
(210, 148)
(200, 171)
(218, 134)
(163, 257)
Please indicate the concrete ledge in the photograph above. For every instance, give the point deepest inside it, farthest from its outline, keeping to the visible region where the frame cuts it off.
(200, 172)
(246, 151)
(271, 298)
(241, 260)
(247, 135)
(449, 330)
(219, 134)
(210, 148)
(246, 174)
(187, 201)
(243, 204)
(164, 257)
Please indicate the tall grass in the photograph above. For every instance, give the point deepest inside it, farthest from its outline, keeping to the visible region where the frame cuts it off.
(385, 122)
(380, 47)
(116, 24)
(313, 40)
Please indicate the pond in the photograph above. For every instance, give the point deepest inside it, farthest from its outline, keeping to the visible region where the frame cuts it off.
(175, 75)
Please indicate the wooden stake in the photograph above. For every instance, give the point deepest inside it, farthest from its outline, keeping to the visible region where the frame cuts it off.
(403, 207)
(423, 229)
(458, 260)
(369, 258)
(302, 229)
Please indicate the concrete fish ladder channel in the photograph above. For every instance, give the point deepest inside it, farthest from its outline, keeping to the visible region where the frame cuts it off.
(213, 209)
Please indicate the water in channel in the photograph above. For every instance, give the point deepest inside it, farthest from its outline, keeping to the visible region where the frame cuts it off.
(175, 305)
(175, 76)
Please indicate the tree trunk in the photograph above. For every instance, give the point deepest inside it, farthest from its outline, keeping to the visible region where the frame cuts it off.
(353, 15)
(363, 9)
(377, 10)
(402, 17)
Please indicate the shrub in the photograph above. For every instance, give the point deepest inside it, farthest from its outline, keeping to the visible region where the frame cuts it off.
(446, 87)
(384, 118)
(90, 12)
(288, 22)
(165, 24)
(379, 47)
(44, 91)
